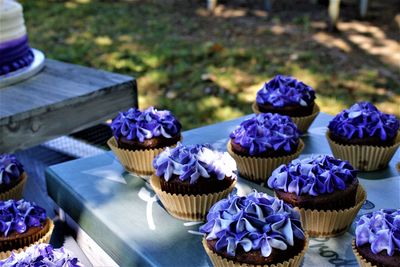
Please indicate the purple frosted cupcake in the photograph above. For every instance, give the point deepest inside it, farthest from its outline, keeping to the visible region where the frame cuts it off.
(377, 241)
(12, 177)
(257, 229)
(262, 143)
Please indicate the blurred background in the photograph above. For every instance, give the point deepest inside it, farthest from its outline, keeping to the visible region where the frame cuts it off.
(207, 65)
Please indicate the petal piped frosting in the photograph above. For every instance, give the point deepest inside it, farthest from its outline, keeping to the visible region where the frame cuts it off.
(10, 169)
(363, 120)
(254, 222)
(313, 176)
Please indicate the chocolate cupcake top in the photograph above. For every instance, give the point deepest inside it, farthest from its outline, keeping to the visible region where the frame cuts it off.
(381, 229)
(254, 222)
(140, 125)
(283, 91)
(266, 132)
(10, 169)
(313, 176)
(19, 216)
(42, 255)
(192, 162)
(363, 120)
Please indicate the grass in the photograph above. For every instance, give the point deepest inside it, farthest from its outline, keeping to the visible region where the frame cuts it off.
(205, 68)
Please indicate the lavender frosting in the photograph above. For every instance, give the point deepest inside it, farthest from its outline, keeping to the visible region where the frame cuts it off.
(254, 222)
(364, 120)
(140, 125)
(10, 169)
(194, 162)
(313, 176)
(284, 91)
(381, 229)
(42, 255)
(266, 132)
(19, 216)
(15, 54)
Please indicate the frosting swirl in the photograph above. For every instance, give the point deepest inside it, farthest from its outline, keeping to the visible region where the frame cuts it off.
(266, 132)
(194, 162)
(254, 222)
(381, 229)
(364, 120)
(42, 255)
(19, 216)
(313, 176)
(140, 125)
(10, 169)
(284, 91)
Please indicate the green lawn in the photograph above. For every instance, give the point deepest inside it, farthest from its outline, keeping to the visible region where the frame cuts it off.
(207, 68)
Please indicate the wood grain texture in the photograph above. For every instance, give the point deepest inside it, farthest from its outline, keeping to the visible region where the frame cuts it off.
(62, 99)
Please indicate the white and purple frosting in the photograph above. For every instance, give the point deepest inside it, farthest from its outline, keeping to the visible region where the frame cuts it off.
(381, 229)
(363, 120)
(194, 162)
(42, 255)
(140, 125)
(254, 222)
(284, 91)
(313, 176)
(266, 132)
(10, 169)
(19, 216)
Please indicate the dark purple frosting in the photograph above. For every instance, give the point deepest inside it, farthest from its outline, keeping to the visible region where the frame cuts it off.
(42, 255)
(284, 91)
(140, 125)
(364, 120)
(313, 176)
(19, 216)
(15, 54)
(10, 169)
(194, 162)
(254, 222)
(381, 229)
(266, 132)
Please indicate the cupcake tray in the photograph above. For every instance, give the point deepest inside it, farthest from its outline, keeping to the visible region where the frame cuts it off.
(121, 213)
(24, 73)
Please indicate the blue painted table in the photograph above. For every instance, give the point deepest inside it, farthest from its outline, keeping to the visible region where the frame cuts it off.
(120, 212)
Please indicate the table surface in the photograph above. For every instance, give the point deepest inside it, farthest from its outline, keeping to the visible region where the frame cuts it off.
(122, 214)
(37, 109)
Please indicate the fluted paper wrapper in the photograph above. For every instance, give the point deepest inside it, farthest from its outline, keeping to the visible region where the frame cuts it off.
(219, 261)
(303, 123)
(17, 191)
(362, 262)
(43, 236)
(328, 223)
(364, 158)
(136, 161)
(188, 207)
(260, 169)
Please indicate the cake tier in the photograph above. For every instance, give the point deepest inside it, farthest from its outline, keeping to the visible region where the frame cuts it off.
(11, 21)
(15, 55)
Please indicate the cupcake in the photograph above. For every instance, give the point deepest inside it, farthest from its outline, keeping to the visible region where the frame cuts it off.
(287, 96)
(364, 136)
(255, 230)
(42, 255)
(22, 224)
(377, 241)
(139, 136)
(12, 177)
(262, 143)
(324, 189)
(189, 179)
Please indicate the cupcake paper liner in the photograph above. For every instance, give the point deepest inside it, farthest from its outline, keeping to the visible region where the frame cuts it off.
(303, 123)
(259, 169)
(17, 191)
(320, 223)
(43, 236)
(188, 207)
(364, 158)
(362, 262)
(219, 261)
(136, 161)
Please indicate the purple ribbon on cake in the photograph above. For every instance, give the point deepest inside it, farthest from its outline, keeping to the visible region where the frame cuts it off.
(10, 169)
